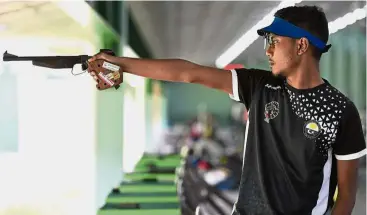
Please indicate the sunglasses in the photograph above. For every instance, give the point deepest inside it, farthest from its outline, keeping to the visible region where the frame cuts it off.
(269, 40)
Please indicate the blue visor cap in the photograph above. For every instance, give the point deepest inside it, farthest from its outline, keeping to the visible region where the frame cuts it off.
(283, 28)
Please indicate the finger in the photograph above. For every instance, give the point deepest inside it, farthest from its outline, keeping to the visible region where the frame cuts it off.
(97, 56)
(92, 73)
(94, 76)
(93, 58)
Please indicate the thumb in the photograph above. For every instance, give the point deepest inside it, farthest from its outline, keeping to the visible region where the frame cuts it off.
(102, 56)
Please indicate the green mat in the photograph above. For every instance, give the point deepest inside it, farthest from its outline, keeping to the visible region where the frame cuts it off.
(142, 199)
(144, 194)
(141, 206)
(141, 212)
(172, 162)
(152, 198)
(160, 177)
(158, 183)
(149, 187)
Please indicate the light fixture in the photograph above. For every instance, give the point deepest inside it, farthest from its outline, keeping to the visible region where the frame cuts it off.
(250, 36)
(348, 19)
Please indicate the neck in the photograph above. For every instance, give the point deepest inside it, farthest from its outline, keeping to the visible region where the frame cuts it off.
(305, 76)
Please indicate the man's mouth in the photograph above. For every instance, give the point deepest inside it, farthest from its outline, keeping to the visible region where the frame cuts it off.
(271, 63)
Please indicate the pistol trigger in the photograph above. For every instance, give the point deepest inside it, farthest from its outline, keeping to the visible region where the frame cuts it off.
(72, 69)
(84, 66)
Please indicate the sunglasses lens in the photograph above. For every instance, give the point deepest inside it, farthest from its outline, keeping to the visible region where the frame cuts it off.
(266, 44)
(268, 40)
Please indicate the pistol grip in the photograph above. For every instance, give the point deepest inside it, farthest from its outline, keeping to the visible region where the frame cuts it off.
(109, 75)
(107, 51)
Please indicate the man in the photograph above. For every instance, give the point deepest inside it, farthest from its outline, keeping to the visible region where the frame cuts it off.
(303, 136)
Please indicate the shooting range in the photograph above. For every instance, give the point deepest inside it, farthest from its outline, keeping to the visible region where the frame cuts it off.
(147, 147)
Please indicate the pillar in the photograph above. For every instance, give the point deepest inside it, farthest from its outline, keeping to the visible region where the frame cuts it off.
(110, 105)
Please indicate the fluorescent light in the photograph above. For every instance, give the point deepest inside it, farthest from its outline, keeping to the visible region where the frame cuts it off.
(250, 36)
(348, 19)
(247, 39)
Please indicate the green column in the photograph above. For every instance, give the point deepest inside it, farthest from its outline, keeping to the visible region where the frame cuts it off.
(345, 67)
(356, 72)
(109, 104)
(335, 63)
(123, 24)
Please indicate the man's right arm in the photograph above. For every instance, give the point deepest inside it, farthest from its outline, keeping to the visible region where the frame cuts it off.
(177, 70)
(239, 84)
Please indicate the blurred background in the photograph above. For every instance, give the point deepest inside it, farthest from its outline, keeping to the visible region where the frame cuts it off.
(66, 148)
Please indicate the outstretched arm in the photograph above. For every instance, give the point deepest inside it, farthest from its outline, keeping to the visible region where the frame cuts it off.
(175, 70)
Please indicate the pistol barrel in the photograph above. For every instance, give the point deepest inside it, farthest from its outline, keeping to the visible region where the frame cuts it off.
(55, 62)
(10, 57)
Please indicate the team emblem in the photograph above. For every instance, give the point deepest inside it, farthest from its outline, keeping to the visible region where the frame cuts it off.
(312, 129)
(271, 111)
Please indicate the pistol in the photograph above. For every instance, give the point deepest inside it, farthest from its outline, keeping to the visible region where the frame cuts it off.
(108, 74)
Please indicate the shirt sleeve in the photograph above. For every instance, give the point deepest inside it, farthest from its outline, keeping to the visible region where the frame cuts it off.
(245, 83)
(350, 143)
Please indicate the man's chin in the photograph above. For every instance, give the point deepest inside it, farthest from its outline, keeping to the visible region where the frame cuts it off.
(275, 72)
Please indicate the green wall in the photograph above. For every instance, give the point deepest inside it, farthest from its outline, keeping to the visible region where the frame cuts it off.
(125, 31)
(183, 100)
(345, 64)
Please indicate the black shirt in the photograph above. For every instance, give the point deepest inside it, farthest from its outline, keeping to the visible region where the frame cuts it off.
(293, 138)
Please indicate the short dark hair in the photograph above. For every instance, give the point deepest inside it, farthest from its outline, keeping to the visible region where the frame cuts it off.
(310, 18)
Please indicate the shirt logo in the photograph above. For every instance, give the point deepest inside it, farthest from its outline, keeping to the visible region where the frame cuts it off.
(312, 129)
(271, 111)
(273, 87)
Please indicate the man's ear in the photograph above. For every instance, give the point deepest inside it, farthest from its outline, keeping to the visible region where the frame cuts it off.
(303, 45)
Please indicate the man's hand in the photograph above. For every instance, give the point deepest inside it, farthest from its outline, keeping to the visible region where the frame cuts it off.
(347, 186)
(104, 71)
(102, 56)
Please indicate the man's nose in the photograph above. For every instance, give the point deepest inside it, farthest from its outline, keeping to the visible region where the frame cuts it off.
(269, 51)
